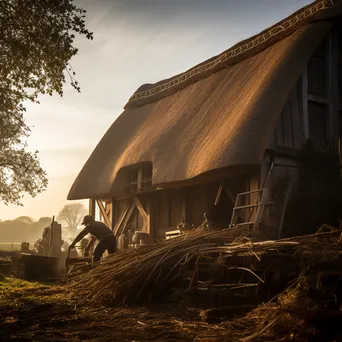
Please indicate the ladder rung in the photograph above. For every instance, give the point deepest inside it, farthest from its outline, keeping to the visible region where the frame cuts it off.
(251, 192)
(247, 206)
(252, 205)
(244, 224)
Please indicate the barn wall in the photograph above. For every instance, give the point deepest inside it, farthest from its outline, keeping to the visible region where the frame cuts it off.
(166, 211)
(170, 207)
(314, 105)
(289, 129)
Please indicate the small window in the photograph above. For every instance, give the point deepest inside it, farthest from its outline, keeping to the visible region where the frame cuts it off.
(146, 177)
(139, 179)
(318, 114)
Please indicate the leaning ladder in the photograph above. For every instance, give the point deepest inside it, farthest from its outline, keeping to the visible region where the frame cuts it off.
(258, 206)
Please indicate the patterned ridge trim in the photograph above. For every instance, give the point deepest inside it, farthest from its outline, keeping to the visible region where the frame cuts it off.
(225, 57)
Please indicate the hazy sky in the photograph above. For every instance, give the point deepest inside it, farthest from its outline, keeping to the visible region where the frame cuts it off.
(135, 42)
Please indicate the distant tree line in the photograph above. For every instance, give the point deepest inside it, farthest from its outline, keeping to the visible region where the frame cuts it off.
(22, 229)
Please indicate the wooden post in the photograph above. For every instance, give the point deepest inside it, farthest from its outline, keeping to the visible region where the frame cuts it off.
(139, 185)
(108, 208)
(92, 207)
(260, 209)
(113, 216)
(148, 216)
(253, 198)
(184, 216)
(56, 239)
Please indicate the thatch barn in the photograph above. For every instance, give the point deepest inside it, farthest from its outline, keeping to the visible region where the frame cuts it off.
(249, 137)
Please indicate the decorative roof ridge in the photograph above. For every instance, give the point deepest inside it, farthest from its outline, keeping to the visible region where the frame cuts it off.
(319, 10)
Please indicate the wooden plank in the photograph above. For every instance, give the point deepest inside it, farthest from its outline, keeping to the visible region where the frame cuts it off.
(254, 197)
(103, 213)
(261, 208)
(287, 124)
(296, 115)
(318, 99)
(286, 200)
(184, 216)
(306, 130)
(330, 94)
(334, 86)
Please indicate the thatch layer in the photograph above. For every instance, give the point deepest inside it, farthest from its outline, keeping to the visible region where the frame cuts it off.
(225, 120)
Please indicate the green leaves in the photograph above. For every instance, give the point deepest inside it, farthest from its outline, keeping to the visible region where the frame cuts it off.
(36, 45)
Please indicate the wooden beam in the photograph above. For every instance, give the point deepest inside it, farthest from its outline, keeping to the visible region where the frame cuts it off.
(140, 207)
(92, 208)
(148, 218)
(261, 208)
(305, 87)
(184, 211)
(139, 185)
(143, 213)
(330, 93)
(219, 192)
(108, 207)
(113, 213)
(103, 213)
(319, 99)
(253, 197)
(335, 101)
(122, 227)
(122, 217)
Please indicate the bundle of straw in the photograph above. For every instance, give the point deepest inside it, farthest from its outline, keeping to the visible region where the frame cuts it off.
(151, 271)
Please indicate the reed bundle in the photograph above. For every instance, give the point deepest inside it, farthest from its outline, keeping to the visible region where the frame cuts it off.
(155, 271)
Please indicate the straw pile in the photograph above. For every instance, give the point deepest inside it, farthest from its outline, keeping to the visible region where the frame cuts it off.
(134, 273)
(212, 270)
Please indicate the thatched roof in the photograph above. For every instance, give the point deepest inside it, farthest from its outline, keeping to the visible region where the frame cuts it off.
(221, 119)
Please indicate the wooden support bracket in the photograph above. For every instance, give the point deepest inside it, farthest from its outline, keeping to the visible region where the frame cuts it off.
(103, 213)
(122, 217)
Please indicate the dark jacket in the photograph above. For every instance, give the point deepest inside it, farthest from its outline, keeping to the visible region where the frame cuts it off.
(98, 229)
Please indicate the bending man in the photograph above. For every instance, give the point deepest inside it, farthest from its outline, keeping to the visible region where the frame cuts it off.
(99, 231)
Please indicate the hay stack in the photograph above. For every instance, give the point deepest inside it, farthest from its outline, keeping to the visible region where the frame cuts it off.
(225, 264)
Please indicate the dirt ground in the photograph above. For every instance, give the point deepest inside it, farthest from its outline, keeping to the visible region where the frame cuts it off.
(40, 312)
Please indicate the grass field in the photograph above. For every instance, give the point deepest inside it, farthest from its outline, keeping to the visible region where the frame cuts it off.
(31, 311)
